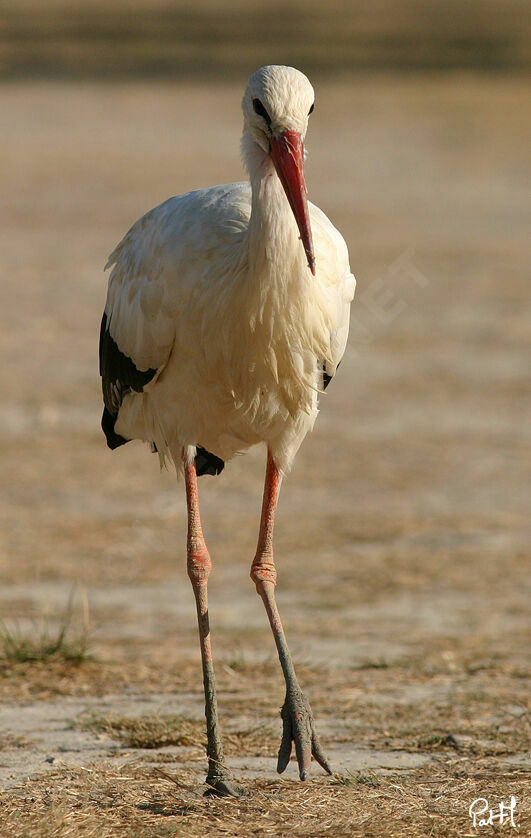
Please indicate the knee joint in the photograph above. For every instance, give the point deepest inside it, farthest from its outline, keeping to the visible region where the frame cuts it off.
(199, 563)
(263, 570)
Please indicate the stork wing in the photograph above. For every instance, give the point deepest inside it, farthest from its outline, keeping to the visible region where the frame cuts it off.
(137, 329)
(156, 270)
(338, 338)
(334, 272)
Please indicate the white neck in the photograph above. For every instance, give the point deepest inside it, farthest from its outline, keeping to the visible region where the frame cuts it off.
(285, 321)
(274, 251)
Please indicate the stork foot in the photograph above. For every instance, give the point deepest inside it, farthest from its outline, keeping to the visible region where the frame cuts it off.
(298, 728)
(224, 785)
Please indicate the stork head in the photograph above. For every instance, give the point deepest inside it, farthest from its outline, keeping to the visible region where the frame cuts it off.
(276, 105)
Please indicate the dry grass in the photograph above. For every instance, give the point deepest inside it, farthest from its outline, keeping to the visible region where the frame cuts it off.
(153, 731)
(148, 731)
(107, 801)
(9, 741)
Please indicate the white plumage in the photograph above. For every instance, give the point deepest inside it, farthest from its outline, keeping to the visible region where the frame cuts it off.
(211, 289)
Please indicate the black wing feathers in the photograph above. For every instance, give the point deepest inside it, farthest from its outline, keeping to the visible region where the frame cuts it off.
(326, 377)
(207, 463)
(114, 440)
(118, 377)
(118, 372)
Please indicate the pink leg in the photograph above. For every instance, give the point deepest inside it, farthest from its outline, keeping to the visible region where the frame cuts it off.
(297, 716)
(219, 777)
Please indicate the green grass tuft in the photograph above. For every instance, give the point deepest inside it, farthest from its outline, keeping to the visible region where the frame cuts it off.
(43, 644)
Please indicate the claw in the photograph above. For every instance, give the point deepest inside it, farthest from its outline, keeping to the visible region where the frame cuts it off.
(221, 783)
(225, 788)
(298, 728)
(318, 754)
(284, 753)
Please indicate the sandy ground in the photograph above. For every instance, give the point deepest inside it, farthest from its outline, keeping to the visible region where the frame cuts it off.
(403, 533)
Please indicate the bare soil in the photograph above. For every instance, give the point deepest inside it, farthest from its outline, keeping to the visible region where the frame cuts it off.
(402, 539)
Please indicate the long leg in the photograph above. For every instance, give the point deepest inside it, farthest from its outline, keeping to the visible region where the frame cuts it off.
(296, 713)
(219, 777)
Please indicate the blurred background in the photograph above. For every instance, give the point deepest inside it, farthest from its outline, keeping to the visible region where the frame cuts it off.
(408, 505)
(157, 38)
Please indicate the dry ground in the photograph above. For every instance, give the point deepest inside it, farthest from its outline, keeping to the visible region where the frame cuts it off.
(403, 535)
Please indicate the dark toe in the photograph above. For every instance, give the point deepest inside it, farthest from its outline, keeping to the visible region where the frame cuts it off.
(225, 787)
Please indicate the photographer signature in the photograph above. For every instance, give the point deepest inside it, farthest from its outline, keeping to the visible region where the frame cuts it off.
(505, 813)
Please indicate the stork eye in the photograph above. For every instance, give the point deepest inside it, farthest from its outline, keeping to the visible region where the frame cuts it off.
(311, 109)
(261, 111)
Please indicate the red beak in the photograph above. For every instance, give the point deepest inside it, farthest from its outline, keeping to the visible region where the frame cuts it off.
(287, 153)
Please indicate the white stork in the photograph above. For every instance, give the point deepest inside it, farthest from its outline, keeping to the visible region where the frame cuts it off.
(227, 315)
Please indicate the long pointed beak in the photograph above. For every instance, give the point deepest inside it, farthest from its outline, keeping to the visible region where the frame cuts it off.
(287, 153)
